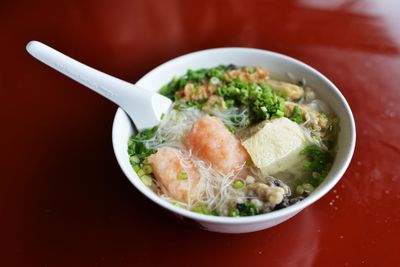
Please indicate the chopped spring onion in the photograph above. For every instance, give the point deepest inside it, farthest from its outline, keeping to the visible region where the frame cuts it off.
(134, 159)
(297, 116)
(238, 184)
(280, 113)
(247, 209)
(299, 190)
(318, 163)
(203, 210)
(214, 80)
(182, 176)
(136, 168)
(304, 188)
(147, 169)
(308, 188)
(176, 204)
(147, 180)
(140, 173)
(233, 212)
(215, 212)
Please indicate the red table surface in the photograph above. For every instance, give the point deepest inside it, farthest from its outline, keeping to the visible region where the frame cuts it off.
(64, 200)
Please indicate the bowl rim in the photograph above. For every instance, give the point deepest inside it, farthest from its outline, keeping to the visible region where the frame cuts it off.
(291, 210)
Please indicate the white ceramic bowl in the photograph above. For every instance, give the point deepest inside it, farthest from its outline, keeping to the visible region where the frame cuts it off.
(278, 65)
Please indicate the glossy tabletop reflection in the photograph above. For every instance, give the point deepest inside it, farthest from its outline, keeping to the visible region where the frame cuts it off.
(64, 200)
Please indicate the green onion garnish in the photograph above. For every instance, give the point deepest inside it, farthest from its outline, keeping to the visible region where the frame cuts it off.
(238, 184)
(147, 169)
(147, 180)
(182, 176)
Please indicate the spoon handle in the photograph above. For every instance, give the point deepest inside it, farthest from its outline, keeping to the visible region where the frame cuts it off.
(141, 105)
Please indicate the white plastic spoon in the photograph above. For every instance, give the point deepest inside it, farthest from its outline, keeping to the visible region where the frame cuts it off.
(143, 106)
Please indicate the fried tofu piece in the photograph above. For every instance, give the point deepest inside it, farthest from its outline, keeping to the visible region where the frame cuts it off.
(289, 90)
(257, 75)
(275, 145)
